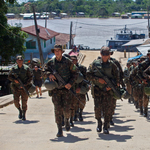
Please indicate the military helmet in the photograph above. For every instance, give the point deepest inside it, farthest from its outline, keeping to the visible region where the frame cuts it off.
(147, 90)
(126, 95)
(50, 85)
(123, 94)
(32, 88)
(80, 78)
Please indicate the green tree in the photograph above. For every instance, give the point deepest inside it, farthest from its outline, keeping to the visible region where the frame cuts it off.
(11, 38)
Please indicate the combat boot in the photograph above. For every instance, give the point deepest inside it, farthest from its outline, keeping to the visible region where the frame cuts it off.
(105, 129)
(63, 123)
(141, 110)
(99, 127)
(80, 115)
(67, 125)
(71, 122)
(24, 115)
(60, 132)
(145, 112)
(111, 122)
(20, 113)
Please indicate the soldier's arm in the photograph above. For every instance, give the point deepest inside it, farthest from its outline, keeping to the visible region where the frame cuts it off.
(146, 73)
(116, 73)
(10, 76)
(74, 73)
(29, 75)
(47, 71)
(83, 71)
(90, 74)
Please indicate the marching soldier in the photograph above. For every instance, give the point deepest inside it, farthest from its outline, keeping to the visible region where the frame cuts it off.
(142, 67)
(24, 73)
(79, 105)
(61, 96)
(101, 93)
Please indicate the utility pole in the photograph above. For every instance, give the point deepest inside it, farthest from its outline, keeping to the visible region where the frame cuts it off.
(46, 20)
(38, 38)
(70, 42)
(148, 22)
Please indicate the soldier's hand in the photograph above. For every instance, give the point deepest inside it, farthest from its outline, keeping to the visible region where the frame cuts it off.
(145, 82)
(68, 86)
(78, 90)
(108, 88)
(100, 80)
(52, 77)
(16, 81)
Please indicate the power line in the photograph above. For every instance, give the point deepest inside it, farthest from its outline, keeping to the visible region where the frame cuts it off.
(107, 25)
(11, 32)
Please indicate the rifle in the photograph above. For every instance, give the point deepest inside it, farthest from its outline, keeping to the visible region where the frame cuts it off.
(63, 83)
(109, 83)
(21, 84)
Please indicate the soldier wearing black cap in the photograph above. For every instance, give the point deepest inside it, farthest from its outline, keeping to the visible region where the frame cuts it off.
(79, 106)
(142, 67)
(25, 75)
(101, 93)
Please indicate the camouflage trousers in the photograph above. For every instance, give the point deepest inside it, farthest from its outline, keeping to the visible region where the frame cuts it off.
(138, 94)
(17, 92)
(62, 100)
(102, 103)
(128, 87)
(76, 104)
(145, 100)
(113, 106)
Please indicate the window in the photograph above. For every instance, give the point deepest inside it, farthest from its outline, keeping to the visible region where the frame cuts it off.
(31, 44)
(44, 43)
(50, 41)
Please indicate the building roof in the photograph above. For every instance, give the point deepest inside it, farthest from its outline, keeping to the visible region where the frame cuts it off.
(45, 33)
(63, 38)
(135, 42)
(144, 48)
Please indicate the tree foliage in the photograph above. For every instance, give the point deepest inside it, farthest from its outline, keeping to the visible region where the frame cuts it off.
(11, 38)
(89, 7)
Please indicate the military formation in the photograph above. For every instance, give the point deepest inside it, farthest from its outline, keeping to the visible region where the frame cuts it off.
(136, 78)
(68, 83)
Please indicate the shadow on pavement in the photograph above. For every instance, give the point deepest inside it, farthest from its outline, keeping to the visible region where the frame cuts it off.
(111, 137)
(87, 113)
(79, 129)
(118, 121)
(26, 122)
(84, 122)
(2, 113)
(68, 139)
(117, 128)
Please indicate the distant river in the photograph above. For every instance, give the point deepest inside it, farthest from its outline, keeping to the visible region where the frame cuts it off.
(89, 32)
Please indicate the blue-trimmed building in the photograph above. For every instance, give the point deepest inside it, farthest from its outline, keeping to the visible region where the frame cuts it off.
(47, 39)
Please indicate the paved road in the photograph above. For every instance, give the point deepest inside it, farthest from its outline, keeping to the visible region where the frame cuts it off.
(131, 131)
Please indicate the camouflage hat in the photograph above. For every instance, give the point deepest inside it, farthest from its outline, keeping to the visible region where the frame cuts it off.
(105, 51)
(57, 47)
(73, 57)
(19, 57)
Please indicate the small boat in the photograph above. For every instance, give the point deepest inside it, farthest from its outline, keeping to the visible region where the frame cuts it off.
(122, 36)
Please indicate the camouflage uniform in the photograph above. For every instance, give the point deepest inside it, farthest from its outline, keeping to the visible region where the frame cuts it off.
(137, 87)
(61, 97)
(142, 67)
(25, 75)
(102, 98)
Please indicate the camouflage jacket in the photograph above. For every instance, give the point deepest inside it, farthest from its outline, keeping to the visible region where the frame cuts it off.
(93, 75)
(65, 68)
(24, 74)
(142, 67)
